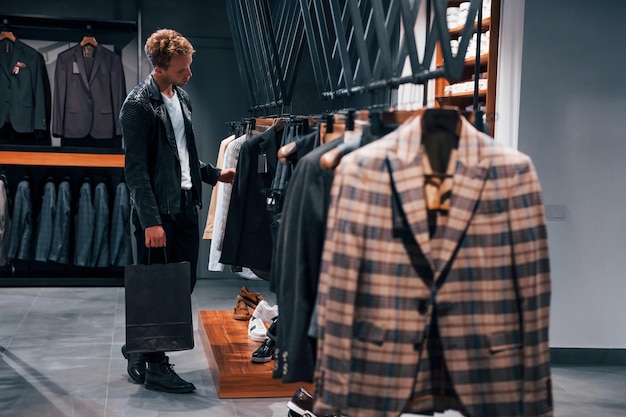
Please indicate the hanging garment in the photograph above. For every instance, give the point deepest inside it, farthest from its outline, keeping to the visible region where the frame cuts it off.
(88, 97)
(299, 251)
(45, 222)
(210, 218)
(100, 246)
(21, 235)
(486, 291)
(120, 248)
(224, 192)
(24, 88)
(5, 220)
(247, 237)
(84, 221)
(60, 249)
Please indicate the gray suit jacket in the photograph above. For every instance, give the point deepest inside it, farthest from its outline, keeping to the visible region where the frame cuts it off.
(5, 220)
(45, 223)
(25, 91)
(100, 245)
(20, 239)
(59, 251)
(88, 105)
(120, 248)
(84, 222)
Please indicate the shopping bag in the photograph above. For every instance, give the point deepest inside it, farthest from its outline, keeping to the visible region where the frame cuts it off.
(158, 307)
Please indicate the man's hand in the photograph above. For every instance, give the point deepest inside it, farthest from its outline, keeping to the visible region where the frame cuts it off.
(155, 237)
(227, 175)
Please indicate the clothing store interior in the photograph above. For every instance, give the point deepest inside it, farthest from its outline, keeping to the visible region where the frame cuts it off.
(424, 217)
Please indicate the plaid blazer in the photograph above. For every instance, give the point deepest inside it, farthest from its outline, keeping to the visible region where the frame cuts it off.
(489, 283)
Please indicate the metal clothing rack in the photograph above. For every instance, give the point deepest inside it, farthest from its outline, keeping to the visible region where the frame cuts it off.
(355, 46)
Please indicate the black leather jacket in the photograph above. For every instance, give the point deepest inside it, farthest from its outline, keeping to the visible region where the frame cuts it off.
(152, 167)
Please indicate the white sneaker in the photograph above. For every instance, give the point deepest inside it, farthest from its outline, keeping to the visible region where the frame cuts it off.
(265, 311)
(257, 330)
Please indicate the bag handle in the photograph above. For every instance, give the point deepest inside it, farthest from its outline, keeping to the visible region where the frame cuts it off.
(164, 255)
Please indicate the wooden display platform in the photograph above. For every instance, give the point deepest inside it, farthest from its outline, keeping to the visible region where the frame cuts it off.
(228, 350)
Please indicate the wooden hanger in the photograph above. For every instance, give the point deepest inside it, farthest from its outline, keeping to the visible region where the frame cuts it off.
(7, 35)
(88, 40)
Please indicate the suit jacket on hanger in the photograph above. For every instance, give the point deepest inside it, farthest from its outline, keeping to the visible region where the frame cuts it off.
(88, 104)
(24, 88)
(489, 284)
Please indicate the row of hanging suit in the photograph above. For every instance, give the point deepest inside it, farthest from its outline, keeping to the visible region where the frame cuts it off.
(74, 229)
(409, 260)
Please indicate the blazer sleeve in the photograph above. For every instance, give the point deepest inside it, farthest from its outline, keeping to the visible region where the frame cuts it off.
(532, 274)
(60, 89)
(42, 94)
(341, 265)
(118, 90)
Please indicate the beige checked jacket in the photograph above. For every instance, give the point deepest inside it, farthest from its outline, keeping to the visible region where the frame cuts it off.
(488, 279)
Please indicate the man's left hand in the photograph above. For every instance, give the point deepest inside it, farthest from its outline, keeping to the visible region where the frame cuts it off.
(227, 175)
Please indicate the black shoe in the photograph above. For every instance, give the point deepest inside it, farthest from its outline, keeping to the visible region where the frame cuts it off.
(301, 403)
(271, 332)
(161, 377)
(136, 367)
(265, 352)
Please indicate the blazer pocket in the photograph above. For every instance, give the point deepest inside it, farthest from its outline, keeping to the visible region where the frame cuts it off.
(369, 332)
(501, 341)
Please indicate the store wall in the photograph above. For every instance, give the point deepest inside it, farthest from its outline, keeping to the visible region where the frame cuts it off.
(572, 124)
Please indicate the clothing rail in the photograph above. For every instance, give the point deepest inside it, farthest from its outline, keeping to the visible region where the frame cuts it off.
(355, 46)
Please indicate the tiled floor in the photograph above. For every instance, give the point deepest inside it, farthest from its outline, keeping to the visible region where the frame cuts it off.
(60, 357)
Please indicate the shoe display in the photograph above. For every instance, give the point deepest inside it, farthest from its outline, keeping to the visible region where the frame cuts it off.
(160, 376)
(241, 311)
(265, 311)
(301, 403)
(136, 367)
(250, 298)
(257, 330)
(272, 331)
(265, 352)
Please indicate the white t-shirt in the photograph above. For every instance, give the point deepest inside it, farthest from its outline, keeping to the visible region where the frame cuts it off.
(176, 116)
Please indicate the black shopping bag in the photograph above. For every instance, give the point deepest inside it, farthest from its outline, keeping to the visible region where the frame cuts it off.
(158, 307)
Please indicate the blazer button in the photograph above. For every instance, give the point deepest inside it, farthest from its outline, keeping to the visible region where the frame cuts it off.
(422, 306)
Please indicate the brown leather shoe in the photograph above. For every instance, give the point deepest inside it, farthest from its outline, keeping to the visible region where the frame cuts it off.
(241, 311)
(250, 298)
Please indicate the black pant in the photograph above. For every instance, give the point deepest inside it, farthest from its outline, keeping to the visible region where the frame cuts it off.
(183, 241)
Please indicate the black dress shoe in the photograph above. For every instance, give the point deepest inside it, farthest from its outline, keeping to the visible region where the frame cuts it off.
(161, 377)
(271, 332)
(265, 352)
(136, 367)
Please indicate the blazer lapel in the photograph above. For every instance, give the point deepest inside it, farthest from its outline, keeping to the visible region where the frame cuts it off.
(10, 59)
(80, 63)
(407, 177)
(469, 179)
(97, 62)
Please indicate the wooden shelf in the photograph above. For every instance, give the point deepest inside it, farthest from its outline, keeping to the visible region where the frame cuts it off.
(229, 350)
(61, 159)
(456, 31)
(481, 93)
(488, 65)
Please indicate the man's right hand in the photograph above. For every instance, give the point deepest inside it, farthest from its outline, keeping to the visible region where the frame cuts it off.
(155, 236)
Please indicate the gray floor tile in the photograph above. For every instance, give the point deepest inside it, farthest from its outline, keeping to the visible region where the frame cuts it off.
(60, 357)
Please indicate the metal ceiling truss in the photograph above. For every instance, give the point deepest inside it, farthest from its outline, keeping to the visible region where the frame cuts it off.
(355, 46)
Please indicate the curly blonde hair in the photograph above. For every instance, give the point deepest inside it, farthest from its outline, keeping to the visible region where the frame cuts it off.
(164, 44)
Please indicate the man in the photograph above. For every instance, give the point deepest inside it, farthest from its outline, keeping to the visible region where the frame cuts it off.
(164, 176)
